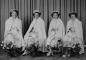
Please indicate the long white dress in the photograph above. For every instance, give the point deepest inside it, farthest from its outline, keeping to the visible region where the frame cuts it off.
(74, 34)
(56, 32)
(36, 33)
(13, 32)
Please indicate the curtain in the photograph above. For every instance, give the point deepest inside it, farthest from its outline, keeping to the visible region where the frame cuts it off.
(26, 8)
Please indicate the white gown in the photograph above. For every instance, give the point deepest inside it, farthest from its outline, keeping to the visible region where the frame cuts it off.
(74, 34)
(56, 32)
(36, 33)
(13, 32)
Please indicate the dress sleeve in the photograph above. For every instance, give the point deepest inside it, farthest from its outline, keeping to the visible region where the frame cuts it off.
(50, 28)
(7, 28)
(43, 30)
(30, 28)
(68, 26)
(19, 28)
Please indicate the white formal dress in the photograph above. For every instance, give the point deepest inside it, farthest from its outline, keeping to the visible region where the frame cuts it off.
(36, 33)
(56, 32)
(13, 32)
(74, 34)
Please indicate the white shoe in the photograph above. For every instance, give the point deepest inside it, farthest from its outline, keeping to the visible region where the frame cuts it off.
(64, 56)
(81, 52)
(49, 54)
(68, 55)
(25, 53)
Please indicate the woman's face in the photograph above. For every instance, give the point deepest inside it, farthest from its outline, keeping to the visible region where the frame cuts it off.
(55, 15)
(36, 15)
(14, 14)
(73, 17)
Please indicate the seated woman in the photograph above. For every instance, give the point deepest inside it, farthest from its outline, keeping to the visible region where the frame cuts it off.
(13, 31)
(36, 33)
(56, 33)
(74, 34)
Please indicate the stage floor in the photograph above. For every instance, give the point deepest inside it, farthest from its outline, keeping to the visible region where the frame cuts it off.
(55, 57)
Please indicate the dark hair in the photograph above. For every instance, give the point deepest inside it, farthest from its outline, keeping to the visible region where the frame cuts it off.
(17, 12)
(38, 13)
(54, 13)
(73, 13)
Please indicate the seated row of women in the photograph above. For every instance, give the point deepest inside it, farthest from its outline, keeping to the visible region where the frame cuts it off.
(58, 35)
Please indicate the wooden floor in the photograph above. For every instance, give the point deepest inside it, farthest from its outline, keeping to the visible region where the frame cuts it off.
(56, 57)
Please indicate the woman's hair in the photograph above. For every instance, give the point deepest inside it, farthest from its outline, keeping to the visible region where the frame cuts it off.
(38, 13)
(54, 13)
(73, 13)
(17, 12)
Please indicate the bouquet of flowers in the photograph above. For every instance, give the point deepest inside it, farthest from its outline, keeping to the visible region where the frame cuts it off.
(11, 49)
